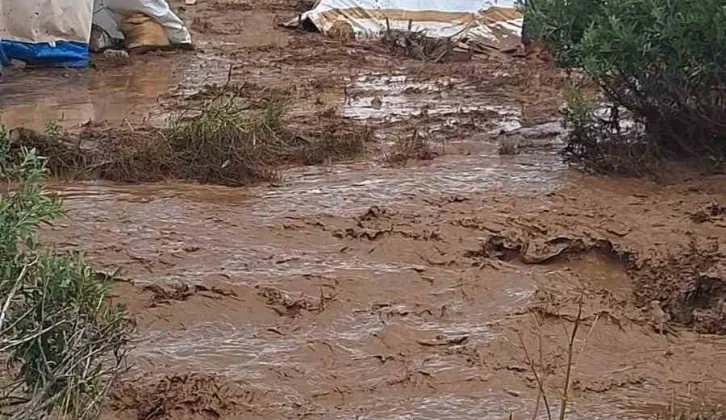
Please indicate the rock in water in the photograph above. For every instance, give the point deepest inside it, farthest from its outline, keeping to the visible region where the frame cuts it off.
(117, 58)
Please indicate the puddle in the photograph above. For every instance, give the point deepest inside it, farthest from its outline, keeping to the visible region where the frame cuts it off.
(74, 97)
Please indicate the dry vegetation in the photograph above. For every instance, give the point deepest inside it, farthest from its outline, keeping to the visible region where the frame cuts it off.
(416, 146)
(224, 141)
(541, 371)
(417, 45)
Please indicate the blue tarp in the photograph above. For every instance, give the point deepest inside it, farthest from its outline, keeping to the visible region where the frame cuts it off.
(58, 54)
(3, 60)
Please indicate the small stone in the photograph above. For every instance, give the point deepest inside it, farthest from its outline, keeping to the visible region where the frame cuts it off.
(18, 64)
(509, 145)
(377, 103)
(513, 392)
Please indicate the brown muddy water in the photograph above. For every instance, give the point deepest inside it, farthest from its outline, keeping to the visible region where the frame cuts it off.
(361, 290)
(345, 301)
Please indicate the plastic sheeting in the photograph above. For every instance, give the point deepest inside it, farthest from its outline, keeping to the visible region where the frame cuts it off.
(57, 32)
(488, 23)
(46, 32)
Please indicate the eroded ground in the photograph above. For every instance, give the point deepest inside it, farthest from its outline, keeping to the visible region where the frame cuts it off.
(364, 290)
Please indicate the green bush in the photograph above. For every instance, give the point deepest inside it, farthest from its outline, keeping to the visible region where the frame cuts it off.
(61, 343)
(661, 61)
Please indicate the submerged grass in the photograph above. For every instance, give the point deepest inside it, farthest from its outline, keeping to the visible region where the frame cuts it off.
(223, 142)
(417, 146)
(703, 413)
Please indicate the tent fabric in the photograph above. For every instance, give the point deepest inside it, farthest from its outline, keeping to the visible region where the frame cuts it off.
(47, 54)
(46, 32)
(492, 23)
(4, 61)
(56, 33)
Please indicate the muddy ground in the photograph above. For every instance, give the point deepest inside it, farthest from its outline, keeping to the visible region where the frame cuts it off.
(365, 290)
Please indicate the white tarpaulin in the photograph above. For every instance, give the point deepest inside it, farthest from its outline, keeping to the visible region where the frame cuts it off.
(45, 20)
(46, 31)
(493, 23)
(57, 32)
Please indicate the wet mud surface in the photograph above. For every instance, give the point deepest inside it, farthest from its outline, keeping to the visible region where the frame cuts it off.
(366, 290)
(418, 306)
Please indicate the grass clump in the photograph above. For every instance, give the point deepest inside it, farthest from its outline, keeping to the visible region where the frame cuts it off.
(223, 142)
(660, 62)
(62, 155)
(417, 146)
(419, 46)
(62, 343)
(228, 144)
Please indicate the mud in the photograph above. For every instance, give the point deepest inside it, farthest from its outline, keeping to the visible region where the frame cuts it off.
(184, 395)
(418, 306)
(434, 288)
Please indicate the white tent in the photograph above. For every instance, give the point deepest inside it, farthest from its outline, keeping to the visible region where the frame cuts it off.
(57, 32)
(491, 23)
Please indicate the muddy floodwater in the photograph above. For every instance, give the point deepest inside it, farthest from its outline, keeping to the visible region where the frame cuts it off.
(440, 289)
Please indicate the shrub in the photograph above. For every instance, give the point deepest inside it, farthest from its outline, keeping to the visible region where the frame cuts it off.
(61, 342)
(661, 61)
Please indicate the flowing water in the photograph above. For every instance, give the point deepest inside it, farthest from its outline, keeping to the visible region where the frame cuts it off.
(354, 290)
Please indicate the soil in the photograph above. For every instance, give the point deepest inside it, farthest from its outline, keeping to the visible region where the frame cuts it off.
(433, 289)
